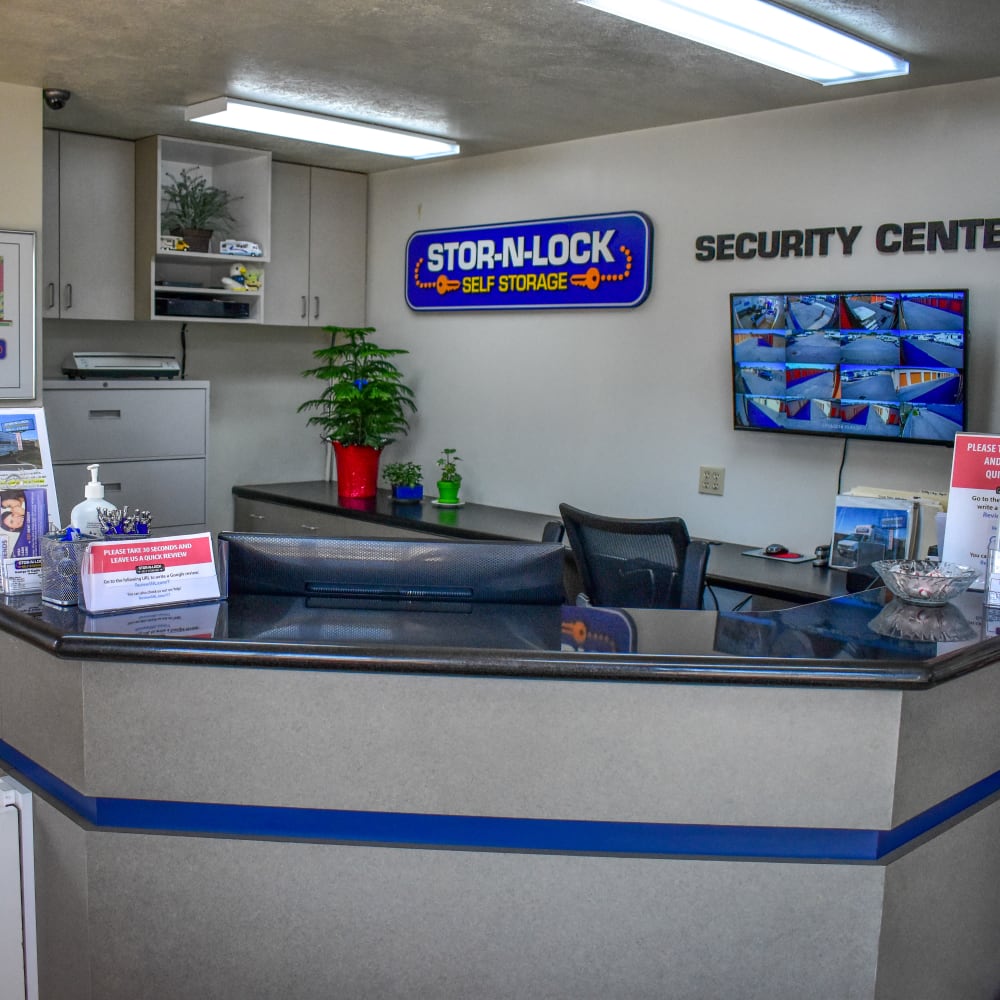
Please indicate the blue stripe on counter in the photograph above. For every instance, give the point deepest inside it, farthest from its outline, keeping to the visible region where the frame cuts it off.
(499, 833)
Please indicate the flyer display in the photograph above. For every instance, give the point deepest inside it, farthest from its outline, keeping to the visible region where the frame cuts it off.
(27, 497)
(146, 572)
(973, 501)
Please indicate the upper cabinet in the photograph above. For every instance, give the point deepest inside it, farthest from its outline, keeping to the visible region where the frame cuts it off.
(193, 285)
(87, 226)
(318, 266)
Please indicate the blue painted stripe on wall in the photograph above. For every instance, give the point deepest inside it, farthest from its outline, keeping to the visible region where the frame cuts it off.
(498, 833)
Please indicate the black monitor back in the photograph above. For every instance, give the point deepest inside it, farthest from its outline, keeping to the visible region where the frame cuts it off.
(392, 569)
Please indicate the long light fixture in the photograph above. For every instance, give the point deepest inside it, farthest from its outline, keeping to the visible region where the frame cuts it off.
(774, 36)
(247, 116)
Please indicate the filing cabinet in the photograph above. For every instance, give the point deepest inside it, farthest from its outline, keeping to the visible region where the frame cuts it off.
(149, 437)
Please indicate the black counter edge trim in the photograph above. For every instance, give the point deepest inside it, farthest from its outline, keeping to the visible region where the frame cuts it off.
(513, 664)
(497, 833)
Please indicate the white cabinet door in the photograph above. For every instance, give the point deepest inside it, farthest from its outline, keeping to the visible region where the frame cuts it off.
(50, 225)
(338, 248)
(319, 222)
(286, 281)
(91, 189)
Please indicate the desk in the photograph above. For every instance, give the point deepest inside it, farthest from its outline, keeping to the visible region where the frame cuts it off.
(313, 508)
(798, 583)
(299, 802)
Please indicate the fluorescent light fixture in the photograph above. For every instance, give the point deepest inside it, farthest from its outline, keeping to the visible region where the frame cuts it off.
(247, 116)
(774, 36)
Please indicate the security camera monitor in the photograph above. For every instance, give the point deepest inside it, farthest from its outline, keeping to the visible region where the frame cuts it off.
(887, 365)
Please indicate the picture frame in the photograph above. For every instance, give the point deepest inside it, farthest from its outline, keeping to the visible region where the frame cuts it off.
(17, 314)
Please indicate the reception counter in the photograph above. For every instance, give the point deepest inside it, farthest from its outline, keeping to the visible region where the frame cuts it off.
(307, 798)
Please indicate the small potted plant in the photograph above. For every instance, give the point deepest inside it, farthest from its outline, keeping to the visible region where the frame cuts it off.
(194, 209)
(405, 478)
(449, 478)
(363, 406)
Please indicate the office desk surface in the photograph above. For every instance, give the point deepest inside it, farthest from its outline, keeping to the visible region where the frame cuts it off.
(859, 640)
(727, 566)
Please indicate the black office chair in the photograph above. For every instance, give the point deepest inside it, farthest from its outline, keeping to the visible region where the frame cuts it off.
(637, 563)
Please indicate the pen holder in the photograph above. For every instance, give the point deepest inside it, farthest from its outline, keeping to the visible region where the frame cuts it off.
(61, 558)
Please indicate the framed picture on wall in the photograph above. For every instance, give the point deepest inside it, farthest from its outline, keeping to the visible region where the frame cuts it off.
(17, 315)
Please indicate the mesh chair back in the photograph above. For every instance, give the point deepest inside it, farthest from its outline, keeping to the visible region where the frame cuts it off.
(636, 563)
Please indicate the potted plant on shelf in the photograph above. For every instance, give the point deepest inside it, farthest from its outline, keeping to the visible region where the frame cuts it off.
(363, 406)
(194, 209)
(406, 480)
(449, 478)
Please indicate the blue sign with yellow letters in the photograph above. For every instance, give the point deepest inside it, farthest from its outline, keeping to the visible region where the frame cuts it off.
(582, 262)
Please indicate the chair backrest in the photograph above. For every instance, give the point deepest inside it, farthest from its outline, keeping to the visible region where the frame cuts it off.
(636, 562)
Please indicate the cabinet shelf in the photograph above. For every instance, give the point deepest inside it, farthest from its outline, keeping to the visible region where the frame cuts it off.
(246, 175)
(185, 290)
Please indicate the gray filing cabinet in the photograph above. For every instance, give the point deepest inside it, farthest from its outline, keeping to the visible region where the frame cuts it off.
(150, 438)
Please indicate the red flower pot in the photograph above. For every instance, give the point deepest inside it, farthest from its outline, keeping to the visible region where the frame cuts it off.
(357, 469)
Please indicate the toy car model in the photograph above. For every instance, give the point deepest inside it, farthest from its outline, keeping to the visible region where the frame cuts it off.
(240, 248)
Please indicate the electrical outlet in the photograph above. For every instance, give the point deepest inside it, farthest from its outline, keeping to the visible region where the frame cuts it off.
(711, 480)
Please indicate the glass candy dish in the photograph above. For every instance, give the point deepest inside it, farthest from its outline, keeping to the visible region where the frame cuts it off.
(920, 581)
(941, 623)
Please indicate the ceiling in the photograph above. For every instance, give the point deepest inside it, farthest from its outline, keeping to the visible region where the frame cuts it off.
(492, 74)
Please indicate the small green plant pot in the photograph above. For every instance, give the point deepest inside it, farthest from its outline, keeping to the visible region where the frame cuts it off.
(448, 491)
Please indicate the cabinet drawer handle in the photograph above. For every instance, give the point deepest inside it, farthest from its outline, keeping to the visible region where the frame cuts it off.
(69, 296)
(256, 517)
(316, 314)
(51, 289)
(112, 487)
(308, 527)
(105, 414)
(305, 306)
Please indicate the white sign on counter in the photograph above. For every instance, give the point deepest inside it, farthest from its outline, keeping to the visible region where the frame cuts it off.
(137, 572)
(973, 501)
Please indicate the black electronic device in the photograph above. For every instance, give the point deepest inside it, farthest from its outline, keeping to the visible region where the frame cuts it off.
(884, 365)
(392, 569)
(204, 308)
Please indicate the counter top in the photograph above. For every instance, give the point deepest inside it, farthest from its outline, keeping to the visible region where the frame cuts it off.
(840, 642)
(471, 520)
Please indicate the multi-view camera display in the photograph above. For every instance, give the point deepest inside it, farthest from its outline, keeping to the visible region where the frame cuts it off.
(884, 365)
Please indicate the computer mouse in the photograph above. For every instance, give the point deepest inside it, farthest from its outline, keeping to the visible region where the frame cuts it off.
(775, 549)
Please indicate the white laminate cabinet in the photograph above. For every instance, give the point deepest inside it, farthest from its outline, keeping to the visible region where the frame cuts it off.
(319, 245)
(186, 286)
(149, 437)
(88, 226)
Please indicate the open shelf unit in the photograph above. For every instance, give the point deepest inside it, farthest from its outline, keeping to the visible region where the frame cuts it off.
(181, 285)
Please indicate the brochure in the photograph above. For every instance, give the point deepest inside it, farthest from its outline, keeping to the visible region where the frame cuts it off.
(27, 497)
(866, 529)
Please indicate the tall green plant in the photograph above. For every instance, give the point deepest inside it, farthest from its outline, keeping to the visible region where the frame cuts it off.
(190, 202)
(365, 400)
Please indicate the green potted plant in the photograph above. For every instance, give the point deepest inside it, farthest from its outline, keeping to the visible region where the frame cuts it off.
(449, 478)
(406, 480)
(363, 406)
(194, 209)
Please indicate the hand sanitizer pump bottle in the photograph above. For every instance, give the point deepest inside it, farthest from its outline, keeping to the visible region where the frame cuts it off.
(83, 517)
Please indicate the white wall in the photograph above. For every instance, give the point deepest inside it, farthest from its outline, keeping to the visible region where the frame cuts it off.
(21, 165)
(616, 410)
(256, 435)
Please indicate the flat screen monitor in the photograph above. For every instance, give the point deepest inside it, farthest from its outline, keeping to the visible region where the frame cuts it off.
(885, 365)
(392, 569)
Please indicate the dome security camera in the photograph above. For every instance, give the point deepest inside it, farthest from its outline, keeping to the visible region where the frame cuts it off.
(55, 98)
